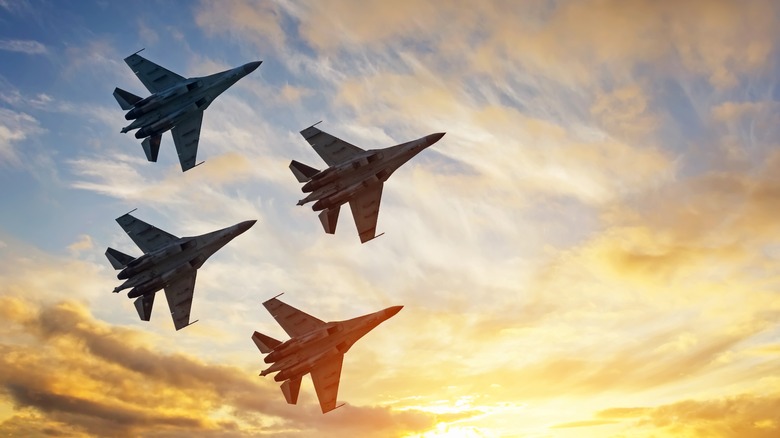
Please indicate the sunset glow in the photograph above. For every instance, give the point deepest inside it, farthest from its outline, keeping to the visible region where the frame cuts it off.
(592, 250)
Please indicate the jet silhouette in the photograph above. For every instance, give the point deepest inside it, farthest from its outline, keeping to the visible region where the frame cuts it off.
(176, 103)
(315, 347)
(169, 263)
(355, 176)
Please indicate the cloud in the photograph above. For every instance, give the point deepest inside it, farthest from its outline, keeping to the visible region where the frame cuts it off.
(625, 113)
(15, 127)
(549, 158)
(731, 111)
(745, 415)
(29, 47)
(96, 60)
(291, 94)
(257, 20)
(82, 244)
(148, 35)
(118, 178)
(684, 224)
(18, 7)
(564, 40)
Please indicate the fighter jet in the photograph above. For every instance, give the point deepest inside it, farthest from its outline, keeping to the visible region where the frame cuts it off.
(176, 103)
(355, 176)
(169, 263)
(315, 347)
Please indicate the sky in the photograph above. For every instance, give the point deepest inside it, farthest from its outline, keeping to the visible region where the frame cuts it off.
(592, 249)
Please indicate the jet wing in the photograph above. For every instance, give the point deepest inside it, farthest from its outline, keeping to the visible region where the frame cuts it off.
(292, 320)
(154, 77)
(365, 211)
(147, 237)
(179, 295)
(332, 150)
(326, 377)
(186, 135)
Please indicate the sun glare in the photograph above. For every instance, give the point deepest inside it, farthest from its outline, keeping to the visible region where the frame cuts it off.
(445, 430)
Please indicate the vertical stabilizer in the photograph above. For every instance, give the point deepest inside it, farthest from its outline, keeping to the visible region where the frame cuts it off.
(264, 343)
(329, 218)
(144, 305)
(125, 99)
(302, 172)
(151, 147)
(118, 259)
(290, 389)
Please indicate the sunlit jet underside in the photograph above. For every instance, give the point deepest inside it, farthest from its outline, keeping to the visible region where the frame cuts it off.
(315, 347)
(355, 176)
(169, 263)
(176, 104)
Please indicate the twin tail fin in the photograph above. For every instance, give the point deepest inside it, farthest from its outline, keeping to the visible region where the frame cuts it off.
(302, 172)
(264, 343)
(118, 259)
(151, 147)
(125, 99)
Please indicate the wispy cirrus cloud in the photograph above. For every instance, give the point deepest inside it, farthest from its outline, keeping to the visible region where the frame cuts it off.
(30, 47)
(15, 127)
(597, 225)
(744, 415)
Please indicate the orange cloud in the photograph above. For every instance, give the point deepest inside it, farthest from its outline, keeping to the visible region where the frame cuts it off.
(721, 40)
(746, 415)
(625, 113)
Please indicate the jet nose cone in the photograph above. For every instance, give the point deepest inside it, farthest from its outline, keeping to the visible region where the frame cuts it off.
(433, 138)
(243, 226)
(252, 66)
(391, 311)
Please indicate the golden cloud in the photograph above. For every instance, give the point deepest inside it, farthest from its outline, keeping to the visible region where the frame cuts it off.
(722, 40)
(745, 415)
(624, 113)
(83, 243)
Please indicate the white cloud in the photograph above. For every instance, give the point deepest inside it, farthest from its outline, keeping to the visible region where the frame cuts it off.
(15, 127)
(30, 47)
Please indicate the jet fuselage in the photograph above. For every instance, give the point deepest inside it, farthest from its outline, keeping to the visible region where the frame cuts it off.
(156, 270)
(298, 356)
(161, 111)
(336, 185)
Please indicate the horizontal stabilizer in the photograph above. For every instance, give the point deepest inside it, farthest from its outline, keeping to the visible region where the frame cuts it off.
(329, 218)
(265, 343)
(290, 389)
(302, 172)
(118, 259)
(125, 99)
(151, 147)
(144, 305)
